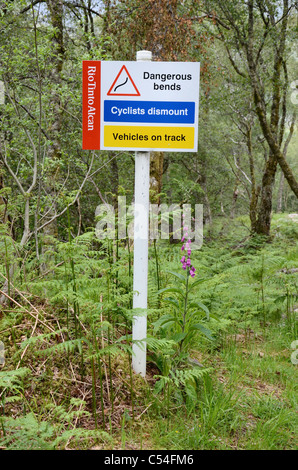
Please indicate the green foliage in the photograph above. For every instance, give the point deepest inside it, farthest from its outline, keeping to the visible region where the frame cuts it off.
(182, 325)
(28, 433)
(185, 380)
(233, 288)
(67, 324)
(218, 407)
(12, 380)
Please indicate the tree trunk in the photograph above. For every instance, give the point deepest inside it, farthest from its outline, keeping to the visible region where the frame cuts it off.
(156, 173)
(114, 181)
(254, 190)
(3, 205)
(263, 222)
(235, 193)
(54, 151)
(207, 206)
(202, 180)
(279, 207)
(25, 237)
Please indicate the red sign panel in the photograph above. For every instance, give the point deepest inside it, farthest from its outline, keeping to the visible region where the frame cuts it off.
(91, 104)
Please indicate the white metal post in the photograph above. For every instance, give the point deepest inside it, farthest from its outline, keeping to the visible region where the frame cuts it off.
(141, 235)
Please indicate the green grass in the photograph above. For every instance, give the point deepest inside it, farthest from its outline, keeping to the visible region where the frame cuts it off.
(251, 404)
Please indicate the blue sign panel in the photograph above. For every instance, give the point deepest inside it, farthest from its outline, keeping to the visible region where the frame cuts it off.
(169, 112)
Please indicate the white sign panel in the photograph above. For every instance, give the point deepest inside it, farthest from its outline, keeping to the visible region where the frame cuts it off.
(145, 106)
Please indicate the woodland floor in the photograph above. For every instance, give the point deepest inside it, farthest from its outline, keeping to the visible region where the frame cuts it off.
(248, 400)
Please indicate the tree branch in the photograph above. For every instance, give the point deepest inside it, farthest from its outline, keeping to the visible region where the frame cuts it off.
(74, 200)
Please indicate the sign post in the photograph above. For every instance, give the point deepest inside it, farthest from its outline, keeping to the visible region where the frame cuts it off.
(141, 231)
(142, 106)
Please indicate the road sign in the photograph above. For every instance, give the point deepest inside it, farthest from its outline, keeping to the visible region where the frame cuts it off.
(140, 106)
(149, 106)
(123, 85)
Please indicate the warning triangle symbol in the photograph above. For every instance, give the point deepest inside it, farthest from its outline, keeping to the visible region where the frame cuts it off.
(123, 85)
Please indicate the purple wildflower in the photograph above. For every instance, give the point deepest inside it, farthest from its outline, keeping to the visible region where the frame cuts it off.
(186, 264)
(192, 271)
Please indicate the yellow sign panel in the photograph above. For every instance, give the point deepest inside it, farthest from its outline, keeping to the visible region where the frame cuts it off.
(149, 137)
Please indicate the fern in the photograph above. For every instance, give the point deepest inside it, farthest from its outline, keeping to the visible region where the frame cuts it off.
(27, 433)
(76, 410)
(12, 380)
(35, 340)
(80, 434)
(165, 346)
(183, 380)
(180, 377)
(66, 346)
(183, 376)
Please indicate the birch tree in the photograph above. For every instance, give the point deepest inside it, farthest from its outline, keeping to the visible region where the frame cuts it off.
(255, 35)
